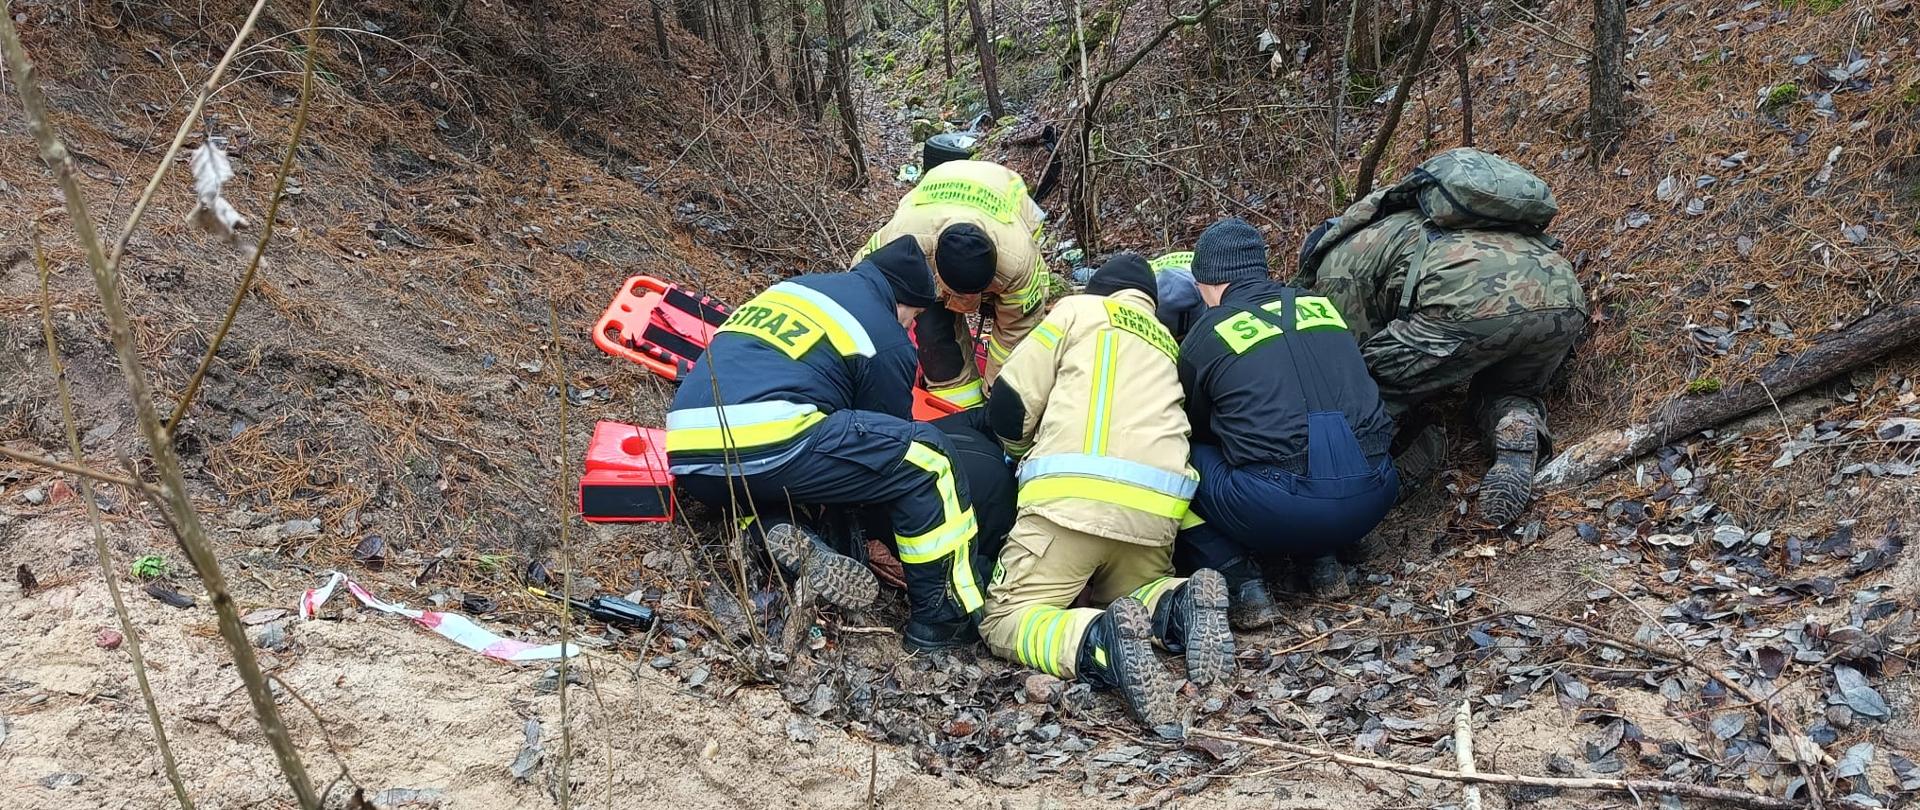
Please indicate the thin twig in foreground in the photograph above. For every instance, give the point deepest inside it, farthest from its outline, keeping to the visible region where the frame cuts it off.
(1737, 797)
(61, 466)
(180, 135)
(128, 633)
(565, 514)
(189, 531)
(266, 227)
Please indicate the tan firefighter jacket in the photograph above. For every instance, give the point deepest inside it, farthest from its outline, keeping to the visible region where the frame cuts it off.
(994, 199)
(1105, 429)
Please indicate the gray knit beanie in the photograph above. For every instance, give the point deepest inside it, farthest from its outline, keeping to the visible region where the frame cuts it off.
(1230, 250)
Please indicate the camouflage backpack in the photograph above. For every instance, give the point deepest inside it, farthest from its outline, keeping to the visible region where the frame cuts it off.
(1459, 189)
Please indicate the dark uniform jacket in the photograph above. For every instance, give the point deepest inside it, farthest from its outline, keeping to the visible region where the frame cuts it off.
(1250, 387)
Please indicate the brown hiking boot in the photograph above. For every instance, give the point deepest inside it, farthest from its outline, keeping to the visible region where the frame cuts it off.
(1117, 653)
(837, 578)
(1507, 488)
(1193, 621)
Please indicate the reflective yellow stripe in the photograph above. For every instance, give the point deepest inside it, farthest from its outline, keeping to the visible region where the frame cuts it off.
(963, 585)
(733, 436)
(963, 396)
(1182, 259)
(1100, 396)
(1047, 335)
(1143, 499)
(1028, 647)
(842, 339)
(1035, 292)
(956, 527)
(1151, 591)
(996, 351)
(1191, 520)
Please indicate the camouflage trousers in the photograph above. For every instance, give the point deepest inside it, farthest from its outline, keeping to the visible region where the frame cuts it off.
(1507, 362)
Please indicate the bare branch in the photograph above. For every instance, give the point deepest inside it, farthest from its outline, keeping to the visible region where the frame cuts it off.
(1736, 797)
(128, 633)
(266, 229)
(191, 534)
(180, 135)
(70, 469)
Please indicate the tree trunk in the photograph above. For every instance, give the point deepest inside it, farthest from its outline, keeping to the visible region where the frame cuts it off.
(693, 17)
(1344, 77)
(1832, 354)
(800, 64)
(983, 45)
(1607, 104)
(660, 30)
(946, 35)
(756, 16)
(1365, 40)
(843, 92)
(1415, 61)
(1461, 41)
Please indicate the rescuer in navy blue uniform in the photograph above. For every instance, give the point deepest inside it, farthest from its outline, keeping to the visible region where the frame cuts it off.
(1289, 435)
(805, 396)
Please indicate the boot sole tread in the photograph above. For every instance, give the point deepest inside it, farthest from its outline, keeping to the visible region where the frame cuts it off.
(1507, 487)
(1143, 680)
(1209, 635)
(841, 580)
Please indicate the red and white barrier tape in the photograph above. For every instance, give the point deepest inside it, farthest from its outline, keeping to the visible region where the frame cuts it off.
(452, 626)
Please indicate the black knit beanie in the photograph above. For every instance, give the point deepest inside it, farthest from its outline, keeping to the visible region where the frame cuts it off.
(1229, 251)
(905, 268)
(1125, 271)
(965, 258)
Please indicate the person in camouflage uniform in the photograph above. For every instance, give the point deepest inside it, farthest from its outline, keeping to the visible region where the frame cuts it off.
(1495, 309)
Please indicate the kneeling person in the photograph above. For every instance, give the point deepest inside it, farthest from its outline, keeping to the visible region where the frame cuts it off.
(804, 396)
(1092, 401)
(1290, 436)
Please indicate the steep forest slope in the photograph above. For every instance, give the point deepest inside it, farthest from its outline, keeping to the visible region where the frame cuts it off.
(477, 178)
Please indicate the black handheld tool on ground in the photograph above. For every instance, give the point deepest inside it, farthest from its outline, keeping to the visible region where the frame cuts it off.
(609, 609)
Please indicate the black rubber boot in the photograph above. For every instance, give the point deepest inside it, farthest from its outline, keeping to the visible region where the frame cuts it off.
(1420, 461)
(937, 619)
(1192, 620)
(1117, 653)
(841, 580)
(1252, 606)
(1327, 578)
(1507, 488)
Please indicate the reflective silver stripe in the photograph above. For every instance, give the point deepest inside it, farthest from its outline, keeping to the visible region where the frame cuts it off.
(1113, 469)
(737, 416)
(752, 467)
(833, 309)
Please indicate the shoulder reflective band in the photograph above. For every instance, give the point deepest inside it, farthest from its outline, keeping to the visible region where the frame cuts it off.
(972, 194)
(1046, 335)
(1182, 259)
(738, 427)
(1246, 330)
(1111, 480)
(1144, 326)
(996, 351)
(963, 396)
(1100, 395)
(793, 318)
(955, 528)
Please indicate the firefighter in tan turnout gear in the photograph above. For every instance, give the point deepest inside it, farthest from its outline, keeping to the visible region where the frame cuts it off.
(981, 234)
(1092, 401)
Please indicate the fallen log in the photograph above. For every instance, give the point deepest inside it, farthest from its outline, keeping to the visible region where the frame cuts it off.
(1634, 787)
(1834, 353)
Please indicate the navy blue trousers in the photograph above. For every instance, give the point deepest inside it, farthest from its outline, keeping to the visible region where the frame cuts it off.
(1264, 510)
